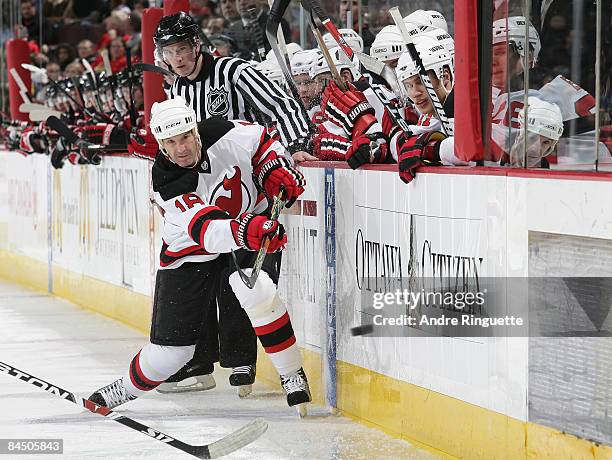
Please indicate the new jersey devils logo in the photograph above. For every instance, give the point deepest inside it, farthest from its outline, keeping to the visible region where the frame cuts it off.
(238, 198)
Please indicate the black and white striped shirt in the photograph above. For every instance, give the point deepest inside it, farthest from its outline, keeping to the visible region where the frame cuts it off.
(233, 89)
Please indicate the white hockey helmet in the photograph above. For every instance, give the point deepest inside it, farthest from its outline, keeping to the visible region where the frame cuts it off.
(271, 69)
(339, 58)
(388, 44)
(302, 61)
(437, 20)
(543, 118)
(512, 30)
(420, 19)
(433, 54)
(292, 48)
(351, 37)
(171, 117)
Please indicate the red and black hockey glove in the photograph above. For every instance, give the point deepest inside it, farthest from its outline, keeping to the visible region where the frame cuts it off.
(143, 145)
(367, 148)
(349, 109)
(32, 140)
(280, 173)
(328, 146)
(251, 232)
(100, 133)
(415, 151)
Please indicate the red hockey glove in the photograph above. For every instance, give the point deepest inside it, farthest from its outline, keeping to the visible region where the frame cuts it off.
(279, 173)
(143, 145)
(251, 232)
(415, 151)
(32, 141)
(100, 133)
(349, 109)
(367, 148)
(329, 146)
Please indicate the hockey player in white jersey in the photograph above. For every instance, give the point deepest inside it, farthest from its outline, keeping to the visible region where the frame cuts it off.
(543, 129)
(204, 174)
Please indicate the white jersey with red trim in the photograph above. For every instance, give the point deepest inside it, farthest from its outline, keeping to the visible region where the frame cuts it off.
(573, 101)
(199, 203)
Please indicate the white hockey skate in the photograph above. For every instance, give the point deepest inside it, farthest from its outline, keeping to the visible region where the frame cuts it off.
(193, 378)
(297, 390)
(112, 395)
(243, 377)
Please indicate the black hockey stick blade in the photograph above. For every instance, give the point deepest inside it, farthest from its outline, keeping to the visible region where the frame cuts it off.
(153, 68)
(277, 11)
(224, 446)
(62, 129)
(250, 280)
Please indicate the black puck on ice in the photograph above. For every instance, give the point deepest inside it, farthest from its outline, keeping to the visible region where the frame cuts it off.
(362, 330)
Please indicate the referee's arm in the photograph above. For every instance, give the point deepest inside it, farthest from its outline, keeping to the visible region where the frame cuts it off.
(291, 120)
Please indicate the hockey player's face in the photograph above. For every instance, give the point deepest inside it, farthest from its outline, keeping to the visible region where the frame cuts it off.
(418, 95)
(307, 87)
(183, 149)
(181, 56)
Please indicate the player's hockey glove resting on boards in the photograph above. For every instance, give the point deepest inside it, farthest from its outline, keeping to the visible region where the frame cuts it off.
(415, 151)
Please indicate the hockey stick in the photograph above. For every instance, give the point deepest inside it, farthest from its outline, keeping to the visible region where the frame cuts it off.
(379, 68)
(250, 281)
(91, 76)
(224, 446)
(154, 68)
(43, 114)
(23, 91)
(71, 137)
(317, 12)
(277, 10)
(325, 50)
(27, 107)
(251, 18)
(418, 62)
(132, 109)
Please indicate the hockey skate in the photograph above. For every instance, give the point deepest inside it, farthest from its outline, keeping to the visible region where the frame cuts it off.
(191, 378)
(112, 395)
(297, 389)
(243, 377)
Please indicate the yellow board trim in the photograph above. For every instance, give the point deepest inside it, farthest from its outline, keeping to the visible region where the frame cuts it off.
(446, 426)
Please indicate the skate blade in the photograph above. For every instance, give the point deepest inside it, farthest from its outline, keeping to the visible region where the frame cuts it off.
(302, 410)
(199, 383)
(244, 391)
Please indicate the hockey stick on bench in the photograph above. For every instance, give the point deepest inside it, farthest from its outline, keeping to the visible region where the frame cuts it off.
(224, 446)
(418, 62)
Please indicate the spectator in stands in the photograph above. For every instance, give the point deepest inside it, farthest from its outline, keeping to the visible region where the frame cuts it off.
(31, 21)
(249, 33)
(353, 6)
(116, 51)
(65, 54)
(86, 50)
(200, 10)
(134, 31)
(74, 69)
(214, 26)
(229, 11)
(54, 72)
(120, 5)
(140, 6)
(116, 26)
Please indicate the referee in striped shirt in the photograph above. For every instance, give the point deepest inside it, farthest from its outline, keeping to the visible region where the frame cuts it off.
(227, 86)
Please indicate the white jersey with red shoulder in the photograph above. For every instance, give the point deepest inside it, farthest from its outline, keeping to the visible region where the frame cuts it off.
(198, 204)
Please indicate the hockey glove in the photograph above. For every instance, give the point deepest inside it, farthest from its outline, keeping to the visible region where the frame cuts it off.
(328, 146)
(367, 148)
(416, 151)
(32, 140)
(143, 145)
(348, 109)
(251, 231)
(59, 154)
(279, 173)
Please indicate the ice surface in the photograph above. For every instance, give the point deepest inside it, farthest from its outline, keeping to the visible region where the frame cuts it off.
(82, 351)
